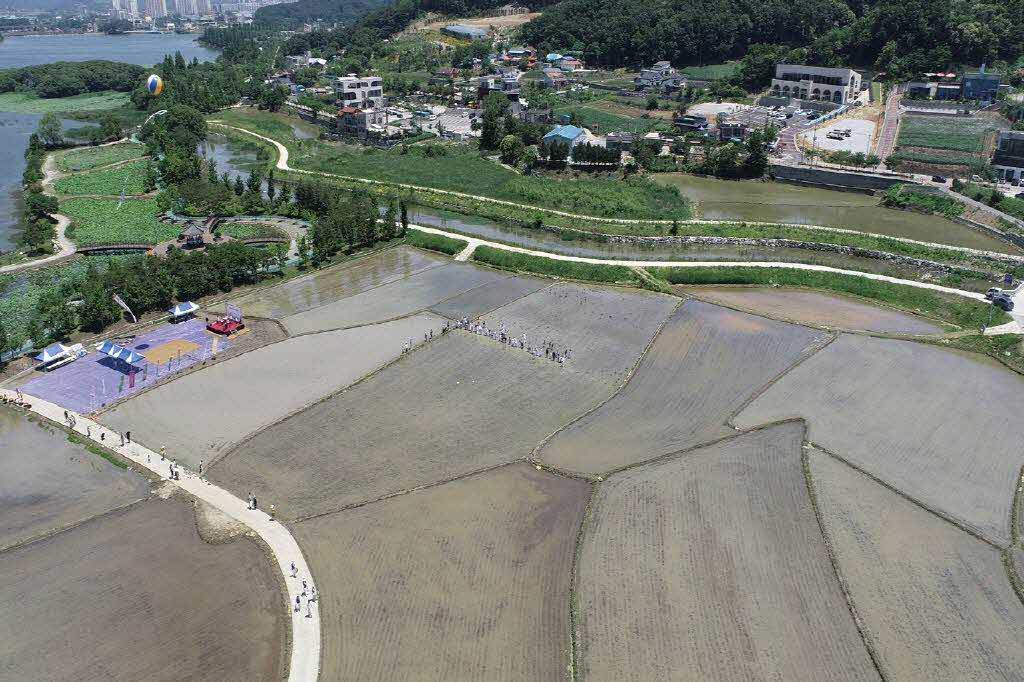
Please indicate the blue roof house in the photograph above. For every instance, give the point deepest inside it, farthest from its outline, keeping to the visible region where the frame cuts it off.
(569, 135)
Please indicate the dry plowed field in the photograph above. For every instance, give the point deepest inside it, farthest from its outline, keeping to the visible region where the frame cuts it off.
(812, 307)
(711, 566)
(488, 297)
(606, 327)
(705, 363)
(329, 285)
(396, 299)
(933, 423)
(459, 404)
(137, 595)
(200, 415)
(464, 581)
(47, 482)
(935, 603)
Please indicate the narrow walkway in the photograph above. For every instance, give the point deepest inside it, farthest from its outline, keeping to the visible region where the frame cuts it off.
(305, 645)
(282, 164)
(475, 242)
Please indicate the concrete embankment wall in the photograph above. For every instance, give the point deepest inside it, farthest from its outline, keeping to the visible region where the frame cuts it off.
(831, 177)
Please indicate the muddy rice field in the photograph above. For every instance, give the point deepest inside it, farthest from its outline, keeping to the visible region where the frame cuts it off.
(468, 580)
(720, 486)
(457, 405)
(935, 602)
(200, 415)
(924, 420)
(330, 285)
(712, 565)
(49, 483)
(816, 309)
(396, 299)
(704, 364)
(136, 594)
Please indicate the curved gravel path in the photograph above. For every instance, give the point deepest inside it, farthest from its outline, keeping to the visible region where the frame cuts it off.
(305, 641)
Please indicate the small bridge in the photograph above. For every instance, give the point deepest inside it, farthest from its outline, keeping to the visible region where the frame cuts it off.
(103, 248)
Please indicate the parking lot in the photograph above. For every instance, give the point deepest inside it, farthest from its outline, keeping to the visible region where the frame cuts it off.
(851, 135)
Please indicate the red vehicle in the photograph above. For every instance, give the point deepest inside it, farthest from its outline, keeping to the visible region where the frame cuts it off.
(226, 326)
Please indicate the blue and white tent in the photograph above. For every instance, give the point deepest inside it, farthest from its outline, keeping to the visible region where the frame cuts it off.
(53, 352)
(121, 353)
(183, 309)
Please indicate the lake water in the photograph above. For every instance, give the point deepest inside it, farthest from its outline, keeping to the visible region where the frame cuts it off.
(17, 51)
(14, 133)
(144, 49)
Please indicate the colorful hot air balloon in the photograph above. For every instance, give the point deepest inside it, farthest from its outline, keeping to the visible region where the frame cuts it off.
(155, 85)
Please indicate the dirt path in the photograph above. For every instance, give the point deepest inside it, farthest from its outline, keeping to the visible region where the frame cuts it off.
(65, 247)
(305, 639)
(474, 243)
(282, 164)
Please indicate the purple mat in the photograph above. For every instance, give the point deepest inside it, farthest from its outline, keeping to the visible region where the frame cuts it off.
(90, 383)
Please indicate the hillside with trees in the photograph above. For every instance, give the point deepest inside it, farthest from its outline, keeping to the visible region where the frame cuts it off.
(64, 79)
(888, 35)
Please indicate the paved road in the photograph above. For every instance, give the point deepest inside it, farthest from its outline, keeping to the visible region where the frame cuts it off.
(890, 127)
(305, 640)
(475, 242)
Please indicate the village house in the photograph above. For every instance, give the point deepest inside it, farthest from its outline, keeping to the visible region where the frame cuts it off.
(554, 79)
(691, 124)
(1008, 159)
(620, 141)
(360, 123)
(362, 93)
(568, 135)
(662, 76)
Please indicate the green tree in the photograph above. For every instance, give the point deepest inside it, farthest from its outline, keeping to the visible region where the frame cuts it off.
(491, 128)
(110, 127)
(511, 149)
(405, 217)
(50, 130)
(239, 186)
(211, 171)
(4, 343)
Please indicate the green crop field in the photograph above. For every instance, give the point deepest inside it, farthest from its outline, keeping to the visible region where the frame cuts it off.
(131, 177)
(945, 132)
(100, 221)
(711, 71)
(599, 116)
(27, 103)
(86, 158)
(462, 169)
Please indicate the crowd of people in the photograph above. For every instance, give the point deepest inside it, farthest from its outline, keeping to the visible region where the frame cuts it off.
(546, 349)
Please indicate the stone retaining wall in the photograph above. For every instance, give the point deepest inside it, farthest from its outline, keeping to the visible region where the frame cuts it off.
(831, 177)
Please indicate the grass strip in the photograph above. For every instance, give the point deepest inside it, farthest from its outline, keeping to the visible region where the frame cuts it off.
(1006, 348)
(962, 313)
(587, 272)
(97, 450)
(435, 242)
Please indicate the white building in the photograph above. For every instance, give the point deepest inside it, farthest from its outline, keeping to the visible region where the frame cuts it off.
(815, 83)
(362, 93)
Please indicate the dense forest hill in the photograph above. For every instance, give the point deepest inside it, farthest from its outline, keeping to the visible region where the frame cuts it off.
(897, 36)
(344, 11)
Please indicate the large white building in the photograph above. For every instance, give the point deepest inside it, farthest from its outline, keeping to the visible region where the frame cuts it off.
(816, 83)
(362, 93)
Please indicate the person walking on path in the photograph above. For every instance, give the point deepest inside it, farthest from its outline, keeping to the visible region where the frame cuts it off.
(312, 593)
(249, 506)
(295, 571)
(122, 440)
(298, 603)
(309, 609)
(200, 467)
(128, 435)
(163, 452)
(272, 512)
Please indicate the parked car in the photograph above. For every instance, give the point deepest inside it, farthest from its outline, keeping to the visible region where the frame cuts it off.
(939, 179)
(993, 292)
(1003, 302)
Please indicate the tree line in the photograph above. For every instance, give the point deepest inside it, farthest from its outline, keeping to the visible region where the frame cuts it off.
(64, 79)
(888, 35)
